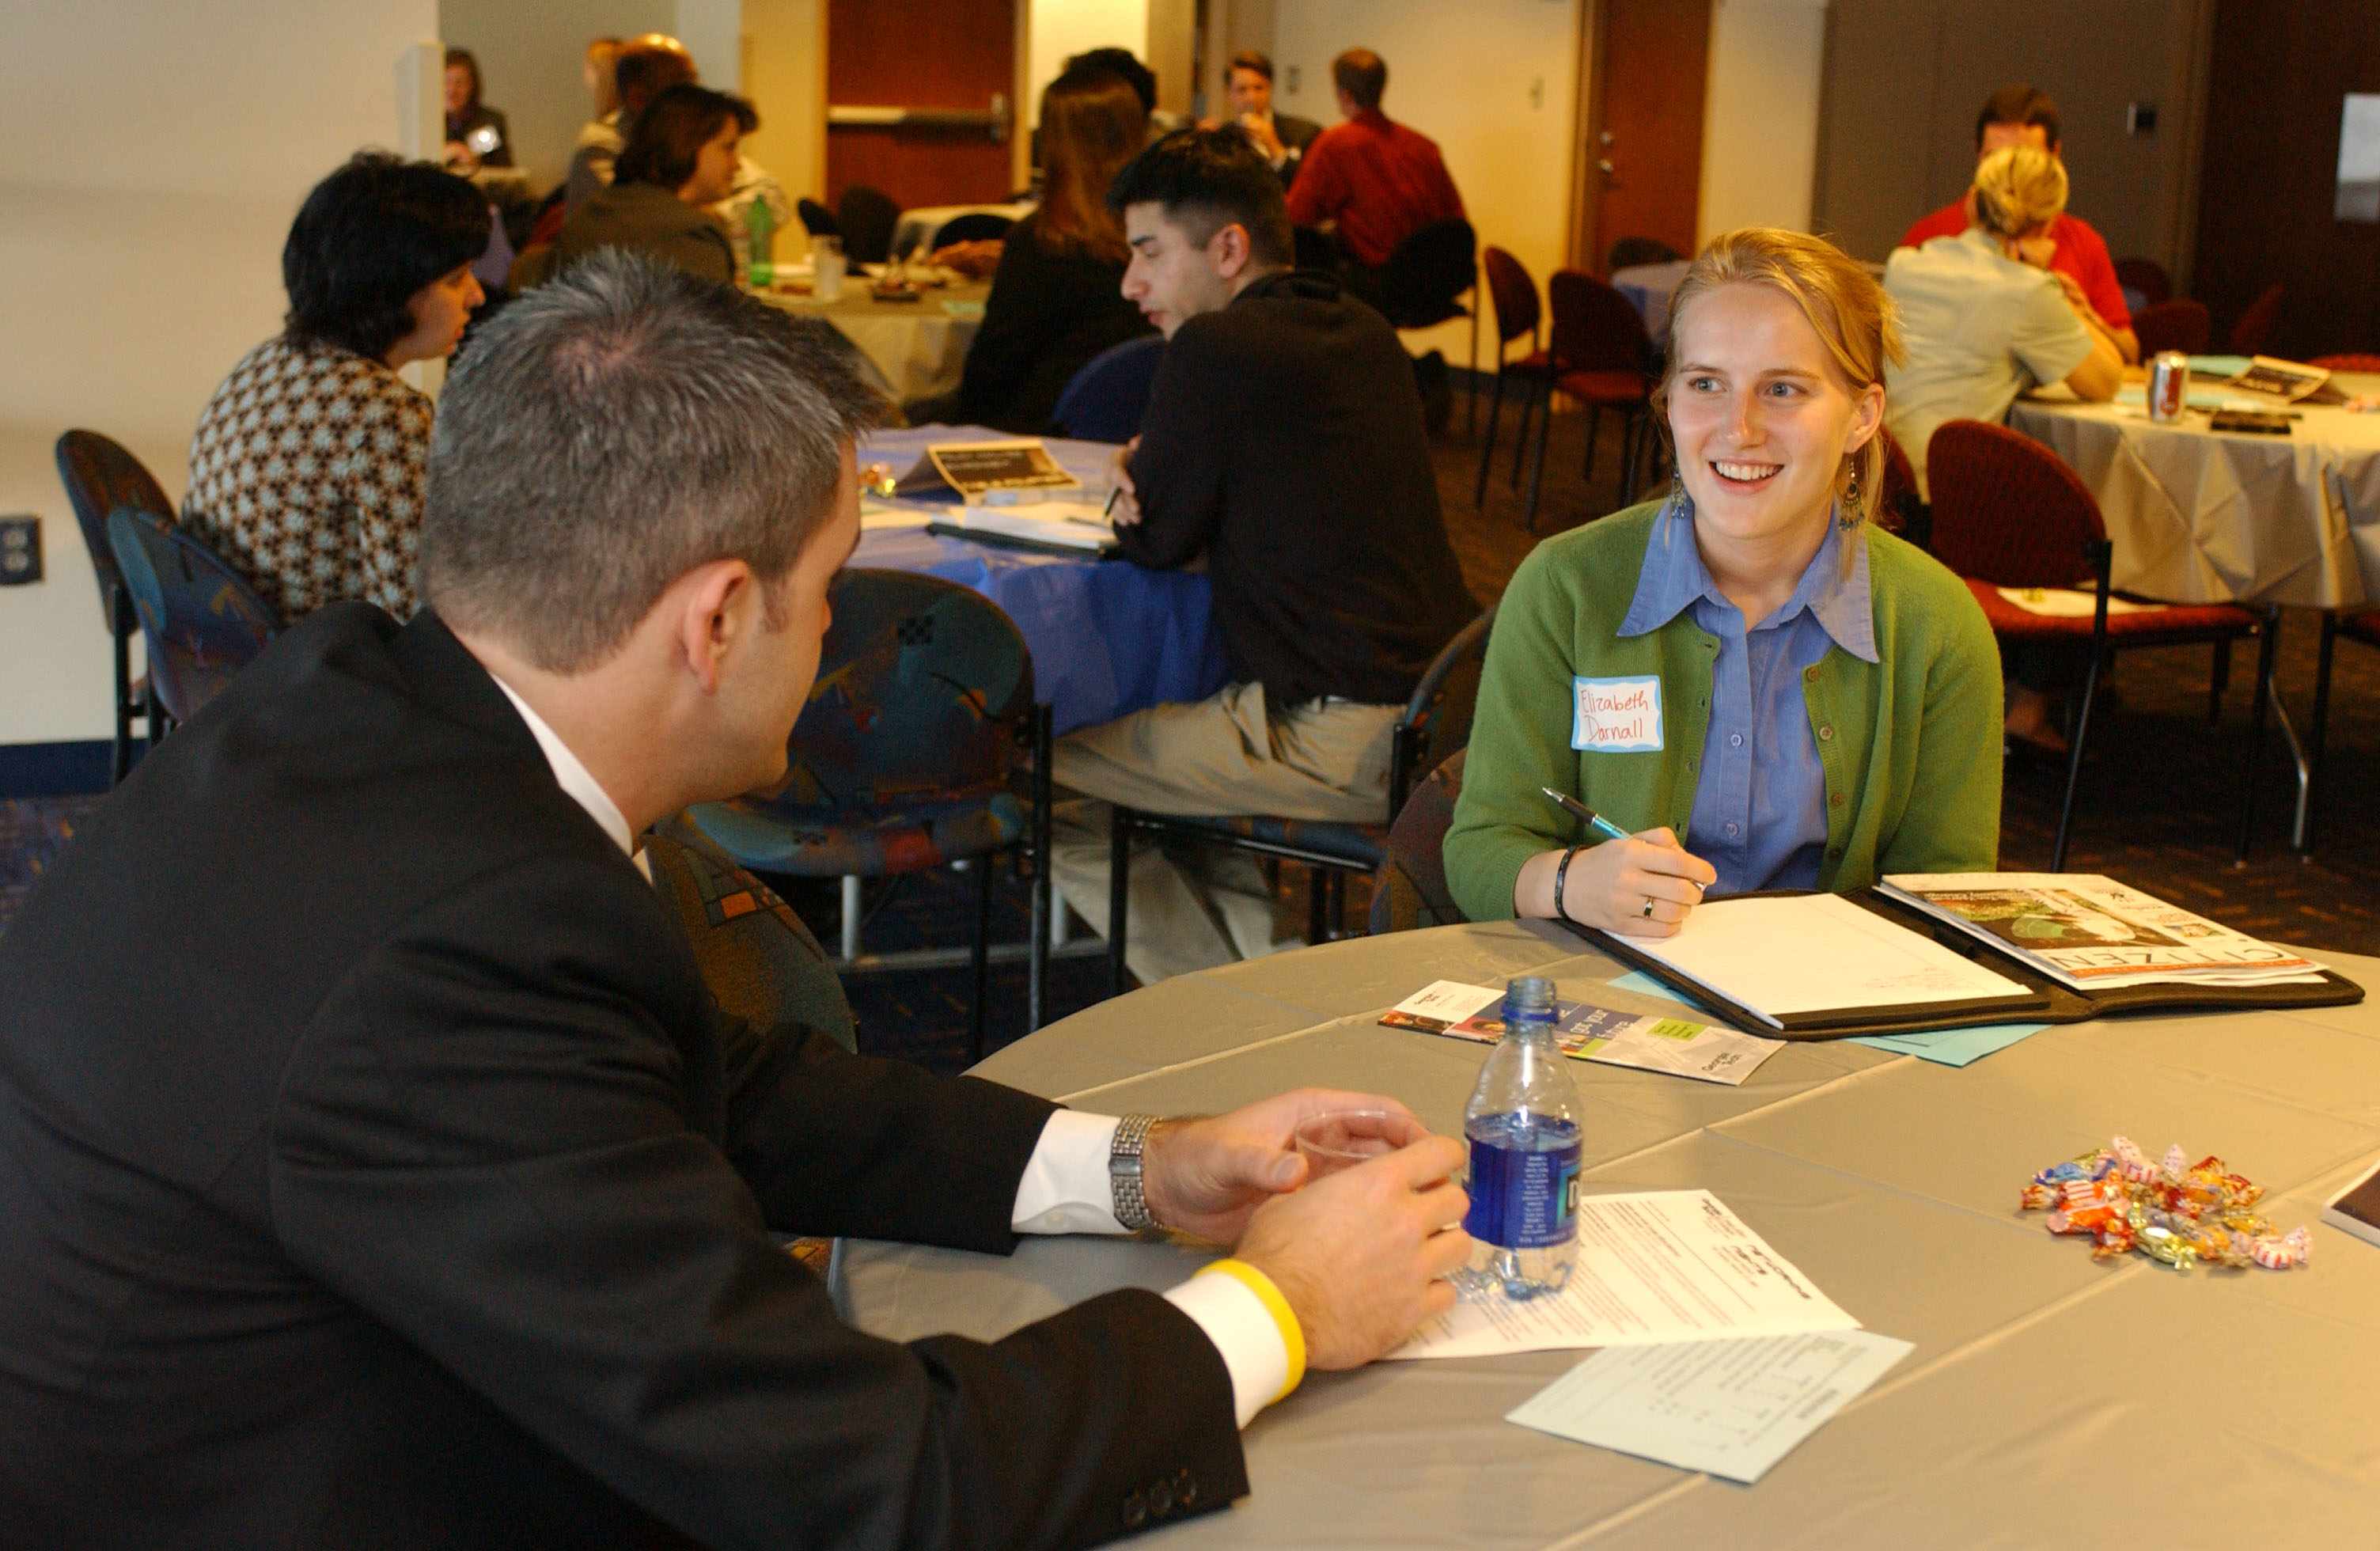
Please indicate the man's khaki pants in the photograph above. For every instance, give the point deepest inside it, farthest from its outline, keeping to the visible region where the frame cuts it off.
(1224, 755)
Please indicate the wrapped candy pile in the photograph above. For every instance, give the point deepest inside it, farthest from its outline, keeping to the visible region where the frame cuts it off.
(2178, 1213)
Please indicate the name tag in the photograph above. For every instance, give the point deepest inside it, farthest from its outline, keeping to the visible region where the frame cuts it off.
(1617, 716)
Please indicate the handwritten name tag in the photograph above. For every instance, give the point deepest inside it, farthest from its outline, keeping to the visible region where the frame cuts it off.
(1617, 716)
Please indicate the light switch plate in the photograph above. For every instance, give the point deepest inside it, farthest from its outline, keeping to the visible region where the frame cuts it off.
(20, 550)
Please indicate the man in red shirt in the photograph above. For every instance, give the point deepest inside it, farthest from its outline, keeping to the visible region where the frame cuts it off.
(2025, 115)
(1381, 182)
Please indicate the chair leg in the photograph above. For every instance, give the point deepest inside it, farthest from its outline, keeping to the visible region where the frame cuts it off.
(1338, 904)
(1538, 470)
(1630, 455)
(1488, 448)
(2267, 649)
(1471, 394)
(1037, 973)
(1119, 894)
(1594, 424)
(120, 610)
(2219, 680)
(850, 916)
(2074, 762)
(1533, 396)
(982, 966)
(1317, 905)
(2318, 734)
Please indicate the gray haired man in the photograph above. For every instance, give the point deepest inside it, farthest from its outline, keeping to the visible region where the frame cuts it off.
(406, 1187)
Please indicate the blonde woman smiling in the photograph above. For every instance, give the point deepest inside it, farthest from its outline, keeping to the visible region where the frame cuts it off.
(1769, 691)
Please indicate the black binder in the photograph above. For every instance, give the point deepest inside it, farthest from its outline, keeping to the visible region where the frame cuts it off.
(2046, 1001)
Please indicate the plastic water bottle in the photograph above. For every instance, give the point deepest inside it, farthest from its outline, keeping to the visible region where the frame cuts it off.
(1522, 1124)
(761, 224)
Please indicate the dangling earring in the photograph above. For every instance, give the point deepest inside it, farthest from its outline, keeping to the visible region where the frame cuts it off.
(1849, 517)
(1676, 504)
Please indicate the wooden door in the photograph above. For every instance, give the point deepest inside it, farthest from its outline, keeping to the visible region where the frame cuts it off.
(1642, 166)
(2268, 174)
(956, 58)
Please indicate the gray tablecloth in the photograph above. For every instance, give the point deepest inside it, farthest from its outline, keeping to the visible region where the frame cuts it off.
(2198, 518)
(2051, 1399)
(919, 346)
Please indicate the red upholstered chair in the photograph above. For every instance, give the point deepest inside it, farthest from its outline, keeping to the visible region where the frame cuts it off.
(2173, 325)
(2362, 625)
(2006, 513)
(2255, 325)
(1898, 507)
(2146, 276)
(1513, 293)
(1604, 359)
(2347, 363)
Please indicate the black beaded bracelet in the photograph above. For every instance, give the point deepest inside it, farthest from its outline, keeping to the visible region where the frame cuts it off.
(1561, 874)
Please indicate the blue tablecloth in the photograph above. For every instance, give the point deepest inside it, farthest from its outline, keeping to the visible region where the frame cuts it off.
(1106, 636)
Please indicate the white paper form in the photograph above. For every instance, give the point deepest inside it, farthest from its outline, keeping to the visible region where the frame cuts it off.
(1659, 1265)
(1731, 1408)
(1817, 952)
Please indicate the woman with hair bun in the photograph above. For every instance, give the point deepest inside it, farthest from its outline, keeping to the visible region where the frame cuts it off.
(1768, 690)
(308, 468)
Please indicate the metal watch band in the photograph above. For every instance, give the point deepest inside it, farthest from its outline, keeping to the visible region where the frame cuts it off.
(1123, 1172)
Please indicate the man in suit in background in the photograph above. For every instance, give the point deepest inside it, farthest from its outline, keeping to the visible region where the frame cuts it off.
(376, 1169)
(1282, 137)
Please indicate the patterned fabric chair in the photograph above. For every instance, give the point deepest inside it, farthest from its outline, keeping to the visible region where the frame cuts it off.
(1435, 724)
(2006, 513)
(99, 475)
(1106, 400)
(201, 620)
(1410, 889)
(760, 961)
(920, 724)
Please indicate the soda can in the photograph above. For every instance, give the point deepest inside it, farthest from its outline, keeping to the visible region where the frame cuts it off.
(2168, 385)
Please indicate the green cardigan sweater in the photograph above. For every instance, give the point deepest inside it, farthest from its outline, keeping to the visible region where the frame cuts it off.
(1911, 743)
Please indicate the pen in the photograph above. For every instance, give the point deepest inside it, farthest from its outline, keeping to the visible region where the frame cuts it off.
(1579, 810)
(1108, 509)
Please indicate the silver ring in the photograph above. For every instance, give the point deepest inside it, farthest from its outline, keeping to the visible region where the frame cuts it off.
(1648, 907)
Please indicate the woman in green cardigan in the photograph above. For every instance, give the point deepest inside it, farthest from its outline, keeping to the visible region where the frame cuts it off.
(1768, 690)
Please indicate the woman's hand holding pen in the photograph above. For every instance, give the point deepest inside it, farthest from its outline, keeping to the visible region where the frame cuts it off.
(1643, 886)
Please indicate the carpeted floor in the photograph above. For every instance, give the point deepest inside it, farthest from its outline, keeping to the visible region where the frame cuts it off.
(2159, 806)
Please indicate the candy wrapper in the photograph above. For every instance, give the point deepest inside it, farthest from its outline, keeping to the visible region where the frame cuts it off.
(2175, 1212)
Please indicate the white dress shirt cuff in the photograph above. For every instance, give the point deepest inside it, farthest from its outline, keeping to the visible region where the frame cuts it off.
(1065, 1188)
(1242, 1330)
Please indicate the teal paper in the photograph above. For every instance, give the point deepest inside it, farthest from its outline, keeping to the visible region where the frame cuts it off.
(1942, 1046)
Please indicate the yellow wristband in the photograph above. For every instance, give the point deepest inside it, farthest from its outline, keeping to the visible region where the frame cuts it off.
(1291, 1335)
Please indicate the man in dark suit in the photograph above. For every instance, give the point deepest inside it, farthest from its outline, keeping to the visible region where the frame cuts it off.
(376, 1169)
(1282, 137)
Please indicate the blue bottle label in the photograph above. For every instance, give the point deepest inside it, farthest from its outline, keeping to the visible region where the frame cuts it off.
(1523, 1194)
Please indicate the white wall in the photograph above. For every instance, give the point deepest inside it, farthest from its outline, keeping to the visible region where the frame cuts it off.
(784, 74)
(1056, 30)
(1760, 115)
(1464, 76)
(152, 154)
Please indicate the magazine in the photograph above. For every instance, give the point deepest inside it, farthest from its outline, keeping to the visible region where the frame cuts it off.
(2290, 381)
(1649, 1042)
(2089, 932)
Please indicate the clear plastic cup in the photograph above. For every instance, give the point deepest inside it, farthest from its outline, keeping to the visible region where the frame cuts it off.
(826, 267)
(1347, 1137)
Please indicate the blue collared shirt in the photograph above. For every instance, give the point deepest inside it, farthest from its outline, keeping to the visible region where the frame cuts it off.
(1760, 801)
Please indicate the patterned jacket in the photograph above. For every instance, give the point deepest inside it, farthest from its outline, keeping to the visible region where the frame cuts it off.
(307, 475)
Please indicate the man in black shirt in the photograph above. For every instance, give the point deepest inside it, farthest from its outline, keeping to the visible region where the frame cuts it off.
(1283, 443)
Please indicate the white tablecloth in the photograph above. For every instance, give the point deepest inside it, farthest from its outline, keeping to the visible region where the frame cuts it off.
(2200, 517)
(2052, 1400)
(919, 347)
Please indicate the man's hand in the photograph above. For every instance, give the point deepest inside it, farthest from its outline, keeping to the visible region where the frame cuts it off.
(1205, 1176)
(1125, 509)
(1362, 1255)
(1266, 139)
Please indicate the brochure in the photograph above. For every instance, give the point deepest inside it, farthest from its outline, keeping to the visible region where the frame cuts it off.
(973, 468)
(1646, 1041)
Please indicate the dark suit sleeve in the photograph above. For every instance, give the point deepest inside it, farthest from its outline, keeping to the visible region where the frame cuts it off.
(497, 1137)
(1178, 471)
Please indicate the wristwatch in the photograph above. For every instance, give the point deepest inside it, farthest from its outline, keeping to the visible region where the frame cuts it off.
(1123, 1172)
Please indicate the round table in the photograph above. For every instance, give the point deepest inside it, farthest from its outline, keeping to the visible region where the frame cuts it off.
(2051, 1398)
(920, 346)
(2202, 517)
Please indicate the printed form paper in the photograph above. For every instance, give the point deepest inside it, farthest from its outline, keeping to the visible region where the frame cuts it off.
(1661, 1265)
(1731, 1408)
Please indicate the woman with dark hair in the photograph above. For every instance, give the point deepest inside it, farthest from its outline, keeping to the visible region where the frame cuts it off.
(307, 469)
(477, 135)
(681, 155)
(1057, 299)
